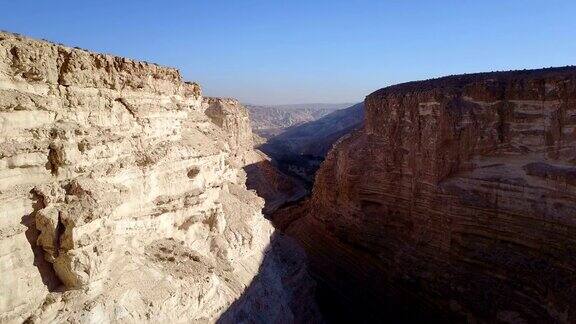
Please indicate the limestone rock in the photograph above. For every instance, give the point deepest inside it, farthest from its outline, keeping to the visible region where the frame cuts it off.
(262, 175)
(122, 194)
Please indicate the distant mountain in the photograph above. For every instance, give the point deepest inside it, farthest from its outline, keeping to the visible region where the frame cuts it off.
(299, 150)
(316, 137)
(270, 121)
(328, 106)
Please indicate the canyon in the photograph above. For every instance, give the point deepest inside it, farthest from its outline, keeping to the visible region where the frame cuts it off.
(126, 195)
(123, 198)
(456, 202)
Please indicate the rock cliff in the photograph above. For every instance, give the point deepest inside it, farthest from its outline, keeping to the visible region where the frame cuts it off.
(262, 176)
(457, 200)
(123, 197)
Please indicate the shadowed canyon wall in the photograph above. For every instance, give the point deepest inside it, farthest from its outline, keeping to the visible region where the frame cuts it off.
(123, 197)
(456, 201)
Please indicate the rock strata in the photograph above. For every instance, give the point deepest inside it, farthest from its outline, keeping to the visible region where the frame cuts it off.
(456, 200)
(123, 197)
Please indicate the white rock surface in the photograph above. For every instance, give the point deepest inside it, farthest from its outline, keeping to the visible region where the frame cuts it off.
(122, 195)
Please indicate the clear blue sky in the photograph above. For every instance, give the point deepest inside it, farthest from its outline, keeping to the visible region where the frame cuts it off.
(297, 51)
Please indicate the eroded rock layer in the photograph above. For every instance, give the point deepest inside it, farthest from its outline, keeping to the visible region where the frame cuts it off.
(122, 195)
(457, 200)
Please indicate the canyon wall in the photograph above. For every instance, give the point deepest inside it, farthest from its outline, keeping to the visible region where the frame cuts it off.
(123, 197)
(263, 176)
(456, 201)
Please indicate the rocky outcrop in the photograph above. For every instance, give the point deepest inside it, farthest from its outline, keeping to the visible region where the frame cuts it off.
(122, 195)
(262, 175)
(457, 200)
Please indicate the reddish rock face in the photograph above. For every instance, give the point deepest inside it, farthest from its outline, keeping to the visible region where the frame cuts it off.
(457, 199)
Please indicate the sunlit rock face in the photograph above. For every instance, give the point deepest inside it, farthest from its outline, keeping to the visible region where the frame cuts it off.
(122, 194)
(457, 200)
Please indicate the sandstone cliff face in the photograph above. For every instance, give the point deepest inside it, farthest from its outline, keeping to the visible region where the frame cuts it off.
(457, 198)
(122, 194)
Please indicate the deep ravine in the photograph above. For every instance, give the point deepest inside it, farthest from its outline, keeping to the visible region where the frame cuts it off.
(128, 196)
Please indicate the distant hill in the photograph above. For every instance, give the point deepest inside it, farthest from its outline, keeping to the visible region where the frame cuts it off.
(316, 137)
(300, 149)
(270, 121)
(329, 106)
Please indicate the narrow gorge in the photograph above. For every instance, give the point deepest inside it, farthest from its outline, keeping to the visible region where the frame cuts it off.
(126, 196)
